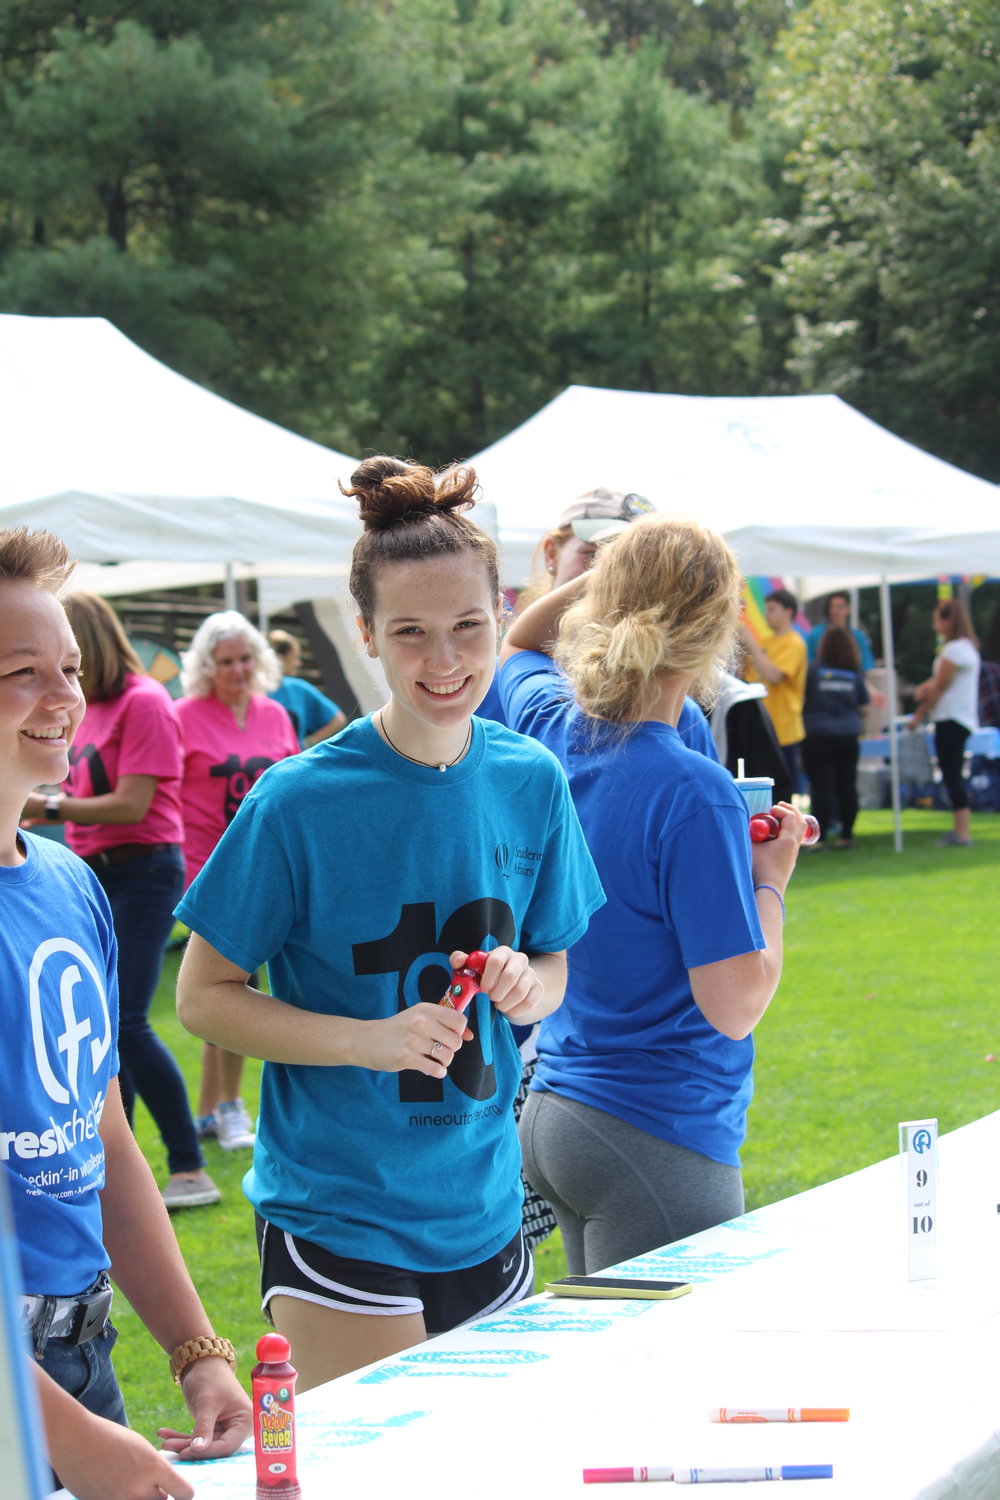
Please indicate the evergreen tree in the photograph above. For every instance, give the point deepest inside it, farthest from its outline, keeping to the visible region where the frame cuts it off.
(493, 100)
(178, 172)
(671, 209)
(892, 265)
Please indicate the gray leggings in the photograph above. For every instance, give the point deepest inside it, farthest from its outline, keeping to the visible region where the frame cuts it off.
(618, 1192)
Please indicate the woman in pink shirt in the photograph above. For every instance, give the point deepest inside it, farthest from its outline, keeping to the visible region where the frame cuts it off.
(231, 732)
(122, 813)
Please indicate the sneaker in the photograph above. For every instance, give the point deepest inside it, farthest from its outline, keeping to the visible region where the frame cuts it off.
(206, 1126)
(952, 841)
(235, 1127)
(190, 1190)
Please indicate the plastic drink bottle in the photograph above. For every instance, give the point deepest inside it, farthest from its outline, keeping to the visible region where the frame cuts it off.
(272, 1383)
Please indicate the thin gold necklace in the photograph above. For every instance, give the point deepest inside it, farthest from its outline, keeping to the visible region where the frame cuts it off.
(442, 765)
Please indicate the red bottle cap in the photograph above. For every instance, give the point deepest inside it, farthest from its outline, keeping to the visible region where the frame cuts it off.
(273, 1349)
(763, 827)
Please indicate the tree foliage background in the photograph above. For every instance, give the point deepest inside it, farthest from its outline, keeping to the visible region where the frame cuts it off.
(406, 224)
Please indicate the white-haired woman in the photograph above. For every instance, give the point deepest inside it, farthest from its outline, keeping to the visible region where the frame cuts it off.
(231, 733)
(637, 1112)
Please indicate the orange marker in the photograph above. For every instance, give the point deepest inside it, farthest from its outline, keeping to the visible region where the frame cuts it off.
(780, 1413)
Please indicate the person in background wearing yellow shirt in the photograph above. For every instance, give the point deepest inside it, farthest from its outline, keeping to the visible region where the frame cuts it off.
(781, 663)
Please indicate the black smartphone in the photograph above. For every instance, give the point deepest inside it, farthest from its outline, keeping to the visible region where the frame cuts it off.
(617, 1286)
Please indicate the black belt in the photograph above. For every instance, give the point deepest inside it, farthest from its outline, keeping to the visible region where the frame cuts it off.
(75, 1319)
(120, 854)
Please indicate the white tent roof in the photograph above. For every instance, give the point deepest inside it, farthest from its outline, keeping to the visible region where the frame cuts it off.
(800, 485)
(128, 461)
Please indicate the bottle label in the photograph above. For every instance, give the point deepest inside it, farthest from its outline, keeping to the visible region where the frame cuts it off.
(275, 1426)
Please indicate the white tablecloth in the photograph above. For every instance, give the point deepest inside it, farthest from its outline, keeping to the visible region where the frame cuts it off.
(982, 742)
(803, 1303)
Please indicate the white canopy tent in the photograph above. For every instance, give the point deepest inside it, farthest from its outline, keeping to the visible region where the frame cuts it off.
(153, 481)
(800, 486)
(129, 461)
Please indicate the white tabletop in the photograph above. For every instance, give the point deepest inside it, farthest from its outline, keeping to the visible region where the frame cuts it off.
(803, 1303)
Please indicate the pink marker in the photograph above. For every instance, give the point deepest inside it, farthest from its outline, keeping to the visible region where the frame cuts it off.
(625, 1476)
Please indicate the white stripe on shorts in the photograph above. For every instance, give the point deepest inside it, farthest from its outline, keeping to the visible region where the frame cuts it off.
(382, 1305)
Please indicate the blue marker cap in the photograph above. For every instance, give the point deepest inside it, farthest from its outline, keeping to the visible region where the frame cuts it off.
(807, 1471)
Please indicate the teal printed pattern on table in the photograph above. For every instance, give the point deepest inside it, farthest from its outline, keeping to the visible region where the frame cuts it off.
(751, 1223)
(486, 1364)
(680, 1264)
(321, 1432)
(315, 1432)
(561, 1316)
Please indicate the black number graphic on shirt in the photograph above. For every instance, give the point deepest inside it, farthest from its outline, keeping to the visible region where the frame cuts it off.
(240, 776)
(100, 783)
(416, 952)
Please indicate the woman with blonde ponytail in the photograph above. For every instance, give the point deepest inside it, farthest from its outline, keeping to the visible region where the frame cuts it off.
(638, 1108)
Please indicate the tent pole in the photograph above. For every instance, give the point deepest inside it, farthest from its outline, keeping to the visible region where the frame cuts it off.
(889, 649)
(229, 587)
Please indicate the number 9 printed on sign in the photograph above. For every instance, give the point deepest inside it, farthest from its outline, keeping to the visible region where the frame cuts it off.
(918, 1153)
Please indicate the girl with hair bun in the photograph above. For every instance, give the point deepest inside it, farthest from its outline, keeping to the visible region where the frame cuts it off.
(637, 1112)
(386, 1171)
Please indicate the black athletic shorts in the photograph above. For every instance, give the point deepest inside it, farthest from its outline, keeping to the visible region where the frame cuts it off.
(293, 1267)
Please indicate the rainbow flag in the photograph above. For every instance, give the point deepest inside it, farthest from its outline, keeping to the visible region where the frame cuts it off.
(755, 590)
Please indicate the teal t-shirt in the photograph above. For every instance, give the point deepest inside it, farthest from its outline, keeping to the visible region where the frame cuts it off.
(353, 873)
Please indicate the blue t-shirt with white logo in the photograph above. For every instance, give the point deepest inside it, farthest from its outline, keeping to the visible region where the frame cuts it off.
(59, 1056)
(353, 873)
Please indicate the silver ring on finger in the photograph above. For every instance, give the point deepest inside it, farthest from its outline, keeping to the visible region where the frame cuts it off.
(435, 1046)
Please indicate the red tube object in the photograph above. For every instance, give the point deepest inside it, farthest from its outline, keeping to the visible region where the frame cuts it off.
(465, 982)
(764, 826)
(272, 1383)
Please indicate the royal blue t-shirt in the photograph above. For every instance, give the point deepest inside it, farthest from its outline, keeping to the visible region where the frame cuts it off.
(668, 831)
(692, 726)
(58, 959)
(353, 873)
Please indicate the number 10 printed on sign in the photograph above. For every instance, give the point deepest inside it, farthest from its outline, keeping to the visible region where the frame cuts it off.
(918, 1149)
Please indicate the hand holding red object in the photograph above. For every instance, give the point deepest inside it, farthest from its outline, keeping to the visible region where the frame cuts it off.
(465, 982)
(764, 826)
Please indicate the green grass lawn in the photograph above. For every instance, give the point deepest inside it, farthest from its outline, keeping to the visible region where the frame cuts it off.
(887, 1011)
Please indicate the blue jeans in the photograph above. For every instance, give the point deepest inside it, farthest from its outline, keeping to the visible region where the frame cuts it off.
(143, 893)
(86, 1372)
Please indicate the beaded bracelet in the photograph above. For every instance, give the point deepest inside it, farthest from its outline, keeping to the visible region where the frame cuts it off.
(776, 892)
